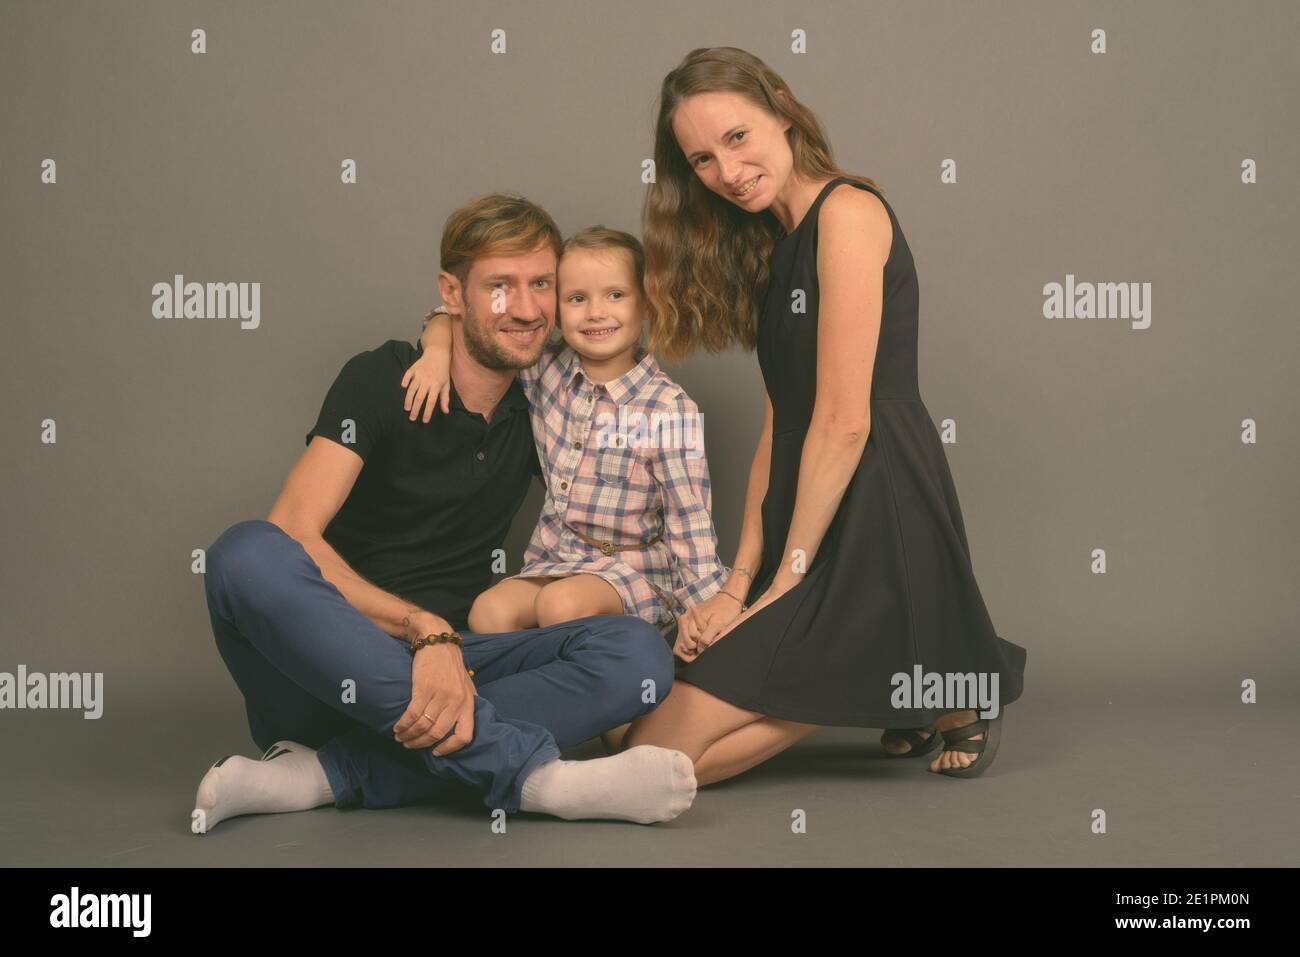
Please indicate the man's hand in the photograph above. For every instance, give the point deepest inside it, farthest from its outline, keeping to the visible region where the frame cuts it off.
(442, 697)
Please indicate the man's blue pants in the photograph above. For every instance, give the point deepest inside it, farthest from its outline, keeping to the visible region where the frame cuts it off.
(315, 670)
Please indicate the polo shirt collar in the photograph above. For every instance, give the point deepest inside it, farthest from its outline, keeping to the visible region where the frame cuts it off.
(621, 389)
(513, 398)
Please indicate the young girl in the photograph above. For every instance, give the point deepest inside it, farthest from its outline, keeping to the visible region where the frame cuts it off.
(627, 526)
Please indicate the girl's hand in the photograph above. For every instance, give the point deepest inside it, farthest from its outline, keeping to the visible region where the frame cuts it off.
(686, 647)
(428, 383)
(691, 624)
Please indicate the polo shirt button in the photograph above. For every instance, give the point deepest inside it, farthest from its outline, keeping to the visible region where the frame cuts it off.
(564, 485)
(577, 445)
(481, 456)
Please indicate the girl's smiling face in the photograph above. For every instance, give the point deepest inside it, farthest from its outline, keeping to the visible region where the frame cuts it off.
(600, 304)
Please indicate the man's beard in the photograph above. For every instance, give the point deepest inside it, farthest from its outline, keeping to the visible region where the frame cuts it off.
(483, 347)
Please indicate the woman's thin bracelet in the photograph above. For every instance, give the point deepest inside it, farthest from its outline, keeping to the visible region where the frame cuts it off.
(730, 595)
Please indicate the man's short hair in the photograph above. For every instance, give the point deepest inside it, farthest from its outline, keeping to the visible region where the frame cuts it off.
(497, 224)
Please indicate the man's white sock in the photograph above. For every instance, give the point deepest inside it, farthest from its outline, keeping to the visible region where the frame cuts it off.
(288, 777)
(644, 784)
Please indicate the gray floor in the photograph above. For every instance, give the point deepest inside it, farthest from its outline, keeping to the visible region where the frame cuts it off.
(1181, 786)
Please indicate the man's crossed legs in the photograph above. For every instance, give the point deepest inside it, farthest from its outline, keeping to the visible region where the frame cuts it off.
(316, 673)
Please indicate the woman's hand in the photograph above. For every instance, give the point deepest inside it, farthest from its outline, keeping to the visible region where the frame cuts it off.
(715, 621)
(697, 628)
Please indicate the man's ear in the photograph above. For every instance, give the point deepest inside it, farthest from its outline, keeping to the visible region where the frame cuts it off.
(449, 289)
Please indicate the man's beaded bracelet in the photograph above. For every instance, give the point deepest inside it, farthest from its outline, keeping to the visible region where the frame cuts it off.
(443, 638)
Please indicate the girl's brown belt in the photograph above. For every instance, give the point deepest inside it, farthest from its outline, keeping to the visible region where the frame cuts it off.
(609, 548)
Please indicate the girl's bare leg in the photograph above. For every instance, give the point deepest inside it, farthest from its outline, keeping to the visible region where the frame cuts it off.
(507, 606)
(576, 596)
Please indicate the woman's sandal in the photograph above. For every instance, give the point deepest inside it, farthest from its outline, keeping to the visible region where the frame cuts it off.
(959, 739)
(912, 736)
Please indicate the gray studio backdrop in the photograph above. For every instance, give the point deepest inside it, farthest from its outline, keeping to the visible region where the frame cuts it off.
(1014, 152)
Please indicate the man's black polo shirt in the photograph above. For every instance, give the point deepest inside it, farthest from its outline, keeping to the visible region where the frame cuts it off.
(432, 501)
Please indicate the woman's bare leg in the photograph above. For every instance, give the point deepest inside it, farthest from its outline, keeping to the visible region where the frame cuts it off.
(576, 596)
(748, 747)
(720, 738)
(613, 738)
(689, 720)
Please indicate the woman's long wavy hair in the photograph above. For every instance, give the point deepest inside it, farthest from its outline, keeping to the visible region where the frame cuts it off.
(706, 260)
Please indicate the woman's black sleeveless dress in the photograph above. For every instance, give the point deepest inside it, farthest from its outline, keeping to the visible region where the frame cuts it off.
(891, 585)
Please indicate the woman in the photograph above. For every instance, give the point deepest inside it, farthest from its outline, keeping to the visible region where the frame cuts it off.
(853, 554)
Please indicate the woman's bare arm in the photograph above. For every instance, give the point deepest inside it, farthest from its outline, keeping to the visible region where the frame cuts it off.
(854, 239)
(750, 550)
(694, 634)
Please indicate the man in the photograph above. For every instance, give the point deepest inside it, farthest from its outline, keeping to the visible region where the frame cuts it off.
(342, 616)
